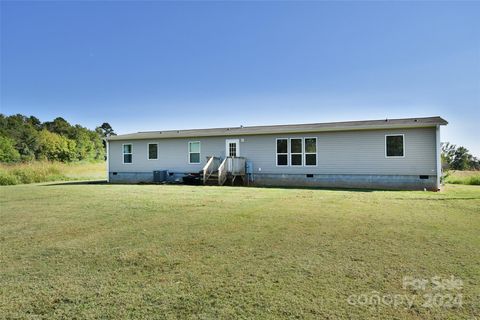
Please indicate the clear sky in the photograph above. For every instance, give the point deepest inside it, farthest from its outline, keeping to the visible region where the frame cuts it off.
(164, 65)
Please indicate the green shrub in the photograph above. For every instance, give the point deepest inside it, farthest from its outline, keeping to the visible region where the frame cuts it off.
(8, 179)
(8, 153)
(475, 181)
(38, 174)
(465, 177)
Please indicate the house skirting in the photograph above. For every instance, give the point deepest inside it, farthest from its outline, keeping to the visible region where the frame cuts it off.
(361, 181)
(142, 177)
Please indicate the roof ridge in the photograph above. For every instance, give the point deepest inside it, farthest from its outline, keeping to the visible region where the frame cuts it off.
(294, 124)
(288, 128)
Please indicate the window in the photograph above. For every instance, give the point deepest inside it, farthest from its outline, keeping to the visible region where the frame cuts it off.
(296, 151)
(232, 149)
(282, 152)
(194, 152)
(310, 151)
(152, 151)
(299, 152)
(394, 145)
(127, 153)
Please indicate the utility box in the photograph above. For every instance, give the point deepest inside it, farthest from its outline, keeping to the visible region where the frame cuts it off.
(159, 175)
(249, 167)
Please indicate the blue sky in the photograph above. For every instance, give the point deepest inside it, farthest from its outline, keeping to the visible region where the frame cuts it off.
(172, 65)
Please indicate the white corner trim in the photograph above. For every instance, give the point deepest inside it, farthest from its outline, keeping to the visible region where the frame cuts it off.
(108, 160)
(438, 156)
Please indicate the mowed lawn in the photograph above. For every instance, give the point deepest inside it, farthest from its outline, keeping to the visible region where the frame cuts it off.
(146, 251)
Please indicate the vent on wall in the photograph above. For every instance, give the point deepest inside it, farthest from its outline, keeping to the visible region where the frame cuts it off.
(114, 173)
(423, 177)
(309, 175)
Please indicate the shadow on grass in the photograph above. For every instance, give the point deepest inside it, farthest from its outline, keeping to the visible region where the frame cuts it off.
(437, 199)
(75, 183)
(104, 182)
(356, 190)
(317, 188)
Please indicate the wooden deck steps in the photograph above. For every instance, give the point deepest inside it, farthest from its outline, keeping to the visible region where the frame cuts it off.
(218, 171)
(212, 179)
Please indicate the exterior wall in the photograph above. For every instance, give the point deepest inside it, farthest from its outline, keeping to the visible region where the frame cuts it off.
(338, 153)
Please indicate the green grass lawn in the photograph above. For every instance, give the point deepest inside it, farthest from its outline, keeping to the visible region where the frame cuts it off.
(146, 251)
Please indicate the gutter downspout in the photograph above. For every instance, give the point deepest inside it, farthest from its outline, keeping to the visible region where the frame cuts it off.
(438, 158)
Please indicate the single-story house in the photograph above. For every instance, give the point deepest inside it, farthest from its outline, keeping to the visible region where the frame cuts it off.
(386, 154)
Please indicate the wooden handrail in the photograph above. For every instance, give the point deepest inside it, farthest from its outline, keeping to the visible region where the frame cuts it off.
(222, 172)
(210, 168)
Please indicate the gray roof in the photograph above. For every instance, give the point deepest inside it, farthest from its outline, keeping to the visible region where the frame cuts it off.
(289, 128)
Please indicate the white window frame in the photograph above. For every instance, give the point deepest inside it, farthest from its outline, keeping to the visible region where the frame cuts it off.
(297, 153)
(148, 150)
(404, 143)
(199, 152)
(282, 153)
(305, 152)
(123, 152)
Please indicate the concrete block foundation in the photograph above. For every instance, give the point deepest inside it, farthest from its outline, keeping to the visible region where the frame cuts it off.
(355, 181)
(142, 177)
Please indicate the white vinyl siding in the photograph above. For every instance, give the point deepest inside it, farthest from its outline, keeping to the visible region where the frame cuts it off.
(342, 152)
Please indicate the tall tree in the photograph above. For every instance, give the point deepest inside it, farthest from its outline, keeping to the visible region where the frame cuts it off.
(56, 147)
(458, 158)
(461, 159)
(448, 152)
(55, 140)
(60, 126)
(8, 153)
(24, 135)
(35, 122)
(105, 130)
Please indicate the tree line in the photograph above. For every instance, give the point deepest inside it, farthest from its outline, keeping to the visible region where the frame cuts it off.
(25, 138)
(458, 158)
